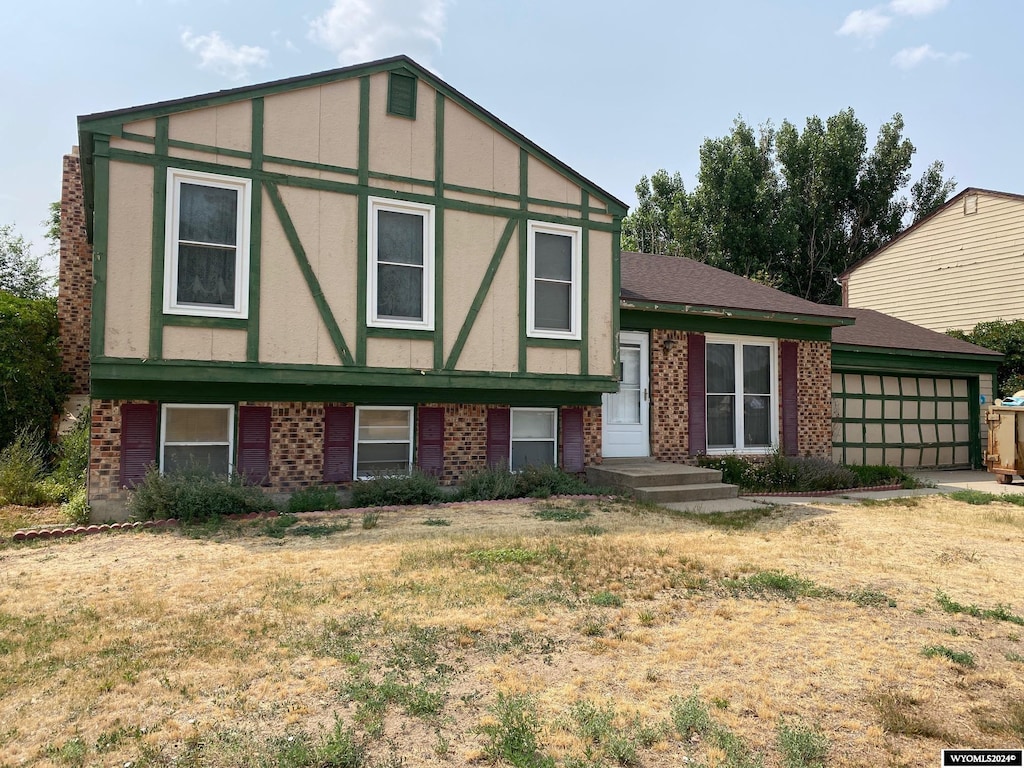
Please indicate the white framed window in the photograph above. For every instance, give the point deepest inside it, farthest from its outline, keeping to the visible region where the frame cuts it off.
(533, 434)
(742, 398)
(206, 258)
(400, 272)
(383, 440)
(554, 264)
(197, 436)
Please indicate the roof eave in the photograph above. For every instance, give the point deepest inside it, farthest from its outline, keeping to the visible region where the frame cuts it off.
(742, 314)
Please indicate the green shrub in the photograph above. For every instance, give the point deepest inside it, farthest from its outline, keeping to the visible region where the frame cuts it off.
(514, 737)
(194, 496)
(76, 508)
(1006, 337)
(878, 474)
(801, 746)
(536, 482)
(489, 484)
(72, 456)
(391, 490)
(778, 473)
(21, 468)
(31, 380)
(316, 498)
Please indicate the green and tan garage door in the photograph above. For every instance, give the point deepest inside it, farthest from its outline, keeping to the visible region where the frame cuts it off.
(903, 421)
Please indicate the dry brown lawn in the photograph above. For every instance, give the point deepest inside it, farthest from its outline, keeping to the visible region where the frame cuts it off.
(168, 647)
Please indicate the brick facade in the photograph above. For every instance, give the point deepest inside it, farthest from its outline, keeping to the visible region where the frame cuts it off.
(105, 450)
(74, 281)
(669, 391)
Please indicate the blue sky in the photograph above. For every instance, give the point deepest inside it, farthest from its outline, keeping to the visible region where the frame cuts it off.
(616, 90)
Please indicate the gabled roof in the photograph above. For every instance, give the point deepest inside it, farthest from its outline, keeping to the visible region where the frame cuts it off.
(676, 283)
(955, 200)
(876, 329)
(100, 122)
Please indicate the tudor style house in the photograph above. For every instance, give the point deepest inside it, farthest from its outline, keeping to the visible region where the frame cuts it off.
(320, 278)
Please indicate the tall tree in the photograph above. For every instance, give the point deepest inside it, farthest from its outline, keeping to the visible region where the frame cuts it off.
(795, 208)
(20, 272)
(649, 228)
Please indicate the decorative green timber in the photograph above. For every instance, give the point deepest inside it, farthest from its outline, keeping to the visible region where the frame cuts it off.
(156, 287)
(326, 315)
(252, 342)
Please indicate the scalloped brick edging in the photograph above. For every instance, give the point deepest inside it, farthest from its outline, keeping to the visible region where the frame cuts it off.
(816, 494)
(29, 534)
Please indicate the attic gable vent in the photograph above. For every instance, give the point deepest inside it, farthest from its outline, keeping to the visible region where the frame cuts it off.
(970, 205)
(402, 95)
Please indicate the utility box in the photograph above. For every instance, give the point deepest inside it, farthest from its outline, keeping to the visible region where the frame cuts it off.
(1005, 455)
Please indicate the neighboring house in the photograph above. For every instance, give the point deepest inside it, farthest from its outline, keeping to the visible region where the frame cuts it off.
(317, 279)
(953, 269)
(320, 278)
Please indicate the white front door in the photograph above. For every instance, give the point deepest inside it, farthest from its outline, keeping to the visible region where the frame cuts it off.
(625, 419)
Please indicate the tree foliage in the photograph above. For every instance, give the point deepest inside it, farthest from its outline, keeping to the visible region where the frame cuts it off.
(20, 271)
(791, 207)
(1006, 337)
(32, 387)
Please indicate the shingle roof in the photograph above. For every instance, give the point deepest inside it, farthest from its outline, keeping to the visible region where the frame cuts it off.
(875, 329)
(683, 281)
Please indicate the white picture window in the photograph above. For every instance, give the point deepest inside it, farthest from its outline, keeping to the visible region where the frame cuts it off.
(400, 273)
(383, 441)
(197, 437)
(206, 263)
(534, 432)
(554, 263)
(742, 401)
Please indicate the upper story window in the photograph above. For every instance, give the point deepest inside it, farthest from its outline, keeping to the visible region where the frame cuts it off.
(742, 398)
(553, 273)
(400, 280)
(206, 264)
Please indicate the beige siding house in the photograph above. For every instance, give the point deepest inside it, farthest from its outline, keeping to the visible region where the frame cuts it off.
(951, 270)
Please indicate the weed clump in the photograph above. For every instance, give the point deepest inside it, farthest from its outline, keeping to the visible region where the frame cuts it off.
(532, 482)
(779, 473)
(392, 490)
(315, 498)
(21, 468)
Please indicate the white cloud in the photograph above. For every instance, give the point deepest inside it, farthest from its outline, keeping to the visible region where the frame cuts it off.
(867, 24)
(908, 58)
(363, 30)
(917, 7)
(222, 56)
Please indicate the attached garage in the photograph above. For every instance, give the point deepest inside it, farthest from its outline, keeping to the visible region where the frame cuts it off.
(906, 396)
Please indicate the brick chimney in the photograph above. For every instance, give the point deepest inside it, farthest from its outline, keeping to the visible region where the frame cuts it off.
(74, 281)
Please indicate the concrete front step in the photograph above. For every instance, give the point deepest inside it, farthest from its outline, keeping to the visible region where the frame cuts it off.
(663, 494)
(647, 473)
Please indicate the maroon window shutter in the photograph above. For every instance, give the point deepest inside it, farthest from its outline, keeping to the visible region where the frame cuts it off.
(696, 402)
(254, 443)
(573, 459)
(499, 437)
(138, 441)
(430, 453)
(790, 405)
(339, 443)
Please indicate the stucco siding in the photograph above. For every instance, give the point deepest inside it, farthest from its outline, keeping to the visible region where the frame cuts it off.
(204, 344)
(955, 271)
(475, 155)
(601, 313)
(129, 256)
(399, 145)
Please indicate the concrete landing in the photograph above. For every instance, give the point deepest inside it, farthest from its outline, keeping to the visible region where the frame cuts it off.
(660, 481)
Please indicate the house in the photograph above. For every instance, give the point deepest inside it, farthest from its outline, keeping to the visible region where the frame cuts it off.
(319, 278)
(952, 269)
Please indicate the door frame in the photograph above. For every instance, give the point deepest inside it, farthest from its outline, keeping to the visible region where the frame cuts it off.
(633, 441)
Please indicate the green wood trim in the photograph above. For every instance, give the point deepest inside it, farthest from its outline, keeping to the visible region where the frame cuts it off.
(557, 204)
(640, 320)
(524, 199)
(554, 343)
(110, 372)
(101, 224)
(328, 185)
(137, 137)
(252, 340)
(853, 359)
(307, 272)
(160, 224)
(585, 286)
(111, 122)
(741, 314)
(439, 217)
(364, 131)
(399, 333)
(482, 192)
(208, 148)
(189, 321)
(616, 290)
(340, 169)
(976, 452)
(396, 178)
(481, 295)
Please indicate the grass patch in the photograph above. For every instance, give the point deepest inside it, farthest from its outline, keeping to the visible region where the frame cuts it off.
(963, 658)
(735, 521)
(777, 583)
(560, 514)
(897, 714)
(288, 525)
(505, 555)
(999, 613)
(605, 599)
(437, 522)
(513, 734)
